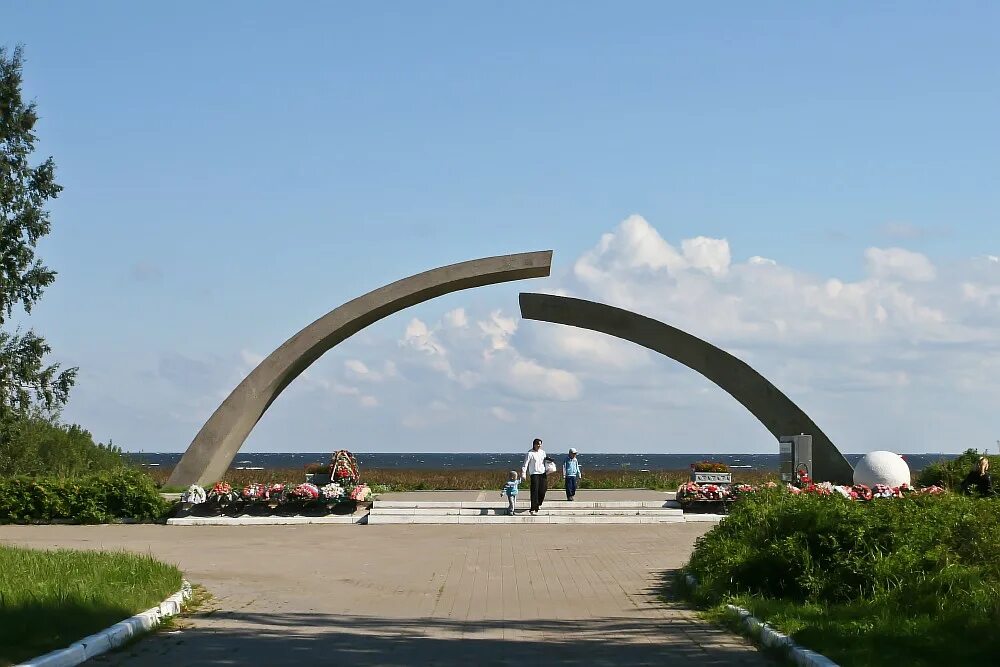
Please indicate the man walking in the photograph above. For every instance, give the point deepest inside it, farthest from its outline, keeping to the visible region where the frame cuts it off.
(534, 468)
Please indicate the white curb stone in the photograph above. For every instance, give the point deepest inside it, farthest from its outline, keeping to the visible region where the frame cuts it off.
(115, 636)
(770, 637)
(265, 520)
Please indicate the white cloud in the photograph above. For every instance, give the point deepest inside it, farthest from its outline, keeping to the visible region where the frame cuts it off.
(530, 379)
(897, 263)
(498, 330)
(356, 367)
(711, 255)
(585, 348)
(503, 414)
(634, 246)
(420, 337)
(906, 352)
(359, 370)
(456, 319)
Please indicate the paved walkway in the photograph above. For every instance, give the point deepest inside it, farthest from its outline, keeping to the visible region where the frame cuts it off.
(420, 595)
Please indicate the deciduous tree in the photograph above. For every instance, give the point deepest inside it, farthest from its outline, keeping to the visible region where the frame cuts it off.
(26, 379)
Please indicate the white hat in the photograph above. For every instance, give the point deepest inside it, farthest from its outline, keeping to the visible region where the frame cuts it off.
(572, 450)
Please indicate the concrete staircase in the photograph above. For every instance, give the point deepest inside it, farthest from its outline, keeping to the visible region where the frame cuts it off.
(552, 511)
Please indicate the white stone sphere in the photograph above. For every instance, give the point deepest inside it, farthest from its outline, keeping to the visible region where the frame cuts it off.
(886, 468)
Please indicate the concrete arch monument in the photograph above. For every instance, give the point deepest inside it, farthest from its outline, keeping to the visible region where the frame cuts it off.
(213, 449)
(767, 403)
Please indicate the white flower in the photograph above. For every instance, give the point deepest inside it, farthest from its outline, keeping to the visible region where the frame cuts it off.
(332, 491)
(194, 495)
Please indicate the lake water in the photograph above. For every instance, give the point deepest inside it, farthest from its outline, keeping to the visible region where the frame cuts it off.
(512, 460)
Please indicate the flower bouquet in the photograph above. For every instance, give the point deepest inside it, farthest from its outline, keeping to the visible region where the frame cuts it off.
(361, 493)
(221, 493)
(694, 492)
(861, 492)
(254, 493)
(193, 498)
(333, 492)
(195, 495)
(254, 499)
(276, 493)
(344, 468)
(821, 489)
(883, 491)
(305, 491)
(219, 498)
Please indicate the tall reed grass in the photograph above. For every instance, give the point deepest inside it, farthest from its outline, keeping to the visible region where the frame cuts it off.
(400, 479)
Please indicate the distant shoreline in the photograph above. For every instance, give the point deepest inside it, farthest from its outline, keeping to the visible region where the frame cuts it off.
(505, 460)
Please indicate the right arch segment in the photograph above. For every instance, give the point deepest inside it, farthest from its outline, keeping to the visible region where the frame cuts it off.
(776, 412)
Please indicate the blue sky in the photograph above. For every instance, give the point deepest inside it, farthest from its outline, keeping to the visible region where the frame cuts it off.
(234, 170)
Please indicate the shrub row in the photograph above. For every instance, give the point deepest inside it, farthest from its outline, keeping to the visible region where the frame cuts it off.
(97, 498)
(912, 580)
(39, 444)
(828, 549)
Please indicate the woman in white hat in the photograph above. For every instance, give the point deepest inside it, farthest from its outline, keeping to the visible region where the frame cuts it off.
(572, 474)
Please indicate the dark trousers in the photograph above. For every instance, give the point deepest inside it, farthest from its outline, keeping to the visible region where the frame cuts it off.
(571, 486)
(539, 485)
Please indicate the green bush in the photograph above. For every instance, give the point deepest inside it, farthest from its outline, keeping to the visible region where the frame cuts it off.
(39, 445)
(950, 473)
(98, 498)
(812, 548)
(913, 579)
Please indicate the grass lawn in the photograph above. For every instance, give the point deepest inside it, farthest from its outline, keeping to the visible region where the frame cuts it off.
(49, 599)
(862, 634)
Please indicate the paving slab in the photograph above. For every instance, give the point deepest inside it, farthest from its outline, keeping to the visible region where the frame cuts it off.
(420, 594)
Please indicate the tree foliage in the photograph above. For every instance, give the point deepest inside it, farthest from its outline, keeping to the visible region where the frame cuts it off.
(38, 444)
(25, 378)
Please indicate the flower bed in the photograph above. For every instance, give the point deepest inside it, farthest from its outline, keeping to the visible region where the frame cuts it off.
(278, 499)
(340, 493)
(691, 492)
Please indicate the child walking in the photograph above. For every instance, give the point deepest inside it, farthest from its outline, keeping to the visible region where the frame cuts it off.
(510, 490)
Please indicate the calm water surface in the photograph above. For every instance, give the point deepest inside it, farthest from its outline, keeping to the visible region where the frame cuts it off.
(511, 460)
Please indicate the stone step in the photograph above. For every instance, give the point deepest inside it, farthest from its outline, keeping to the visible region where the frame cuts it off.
(502, 511)
(518, 519)
(549, 504)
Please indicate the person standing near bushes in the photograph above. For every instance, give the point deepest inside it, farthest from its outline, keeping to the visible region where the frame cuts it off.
(534, 469)
(572, 474)
(979, 479)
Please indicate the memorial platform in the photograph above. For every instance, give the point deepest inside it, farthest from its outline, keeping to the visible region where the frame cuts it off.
(591, 506)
